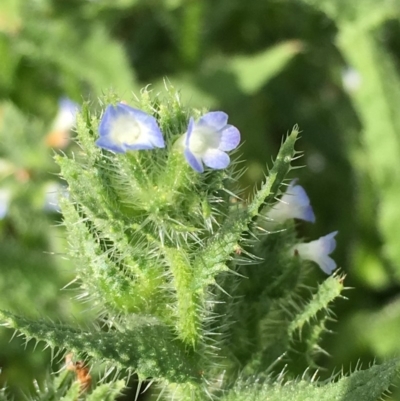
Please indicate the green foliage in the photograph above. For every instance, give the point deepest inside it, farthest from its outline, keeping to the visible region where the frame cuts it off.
(147, 347)
(367, 385)
(61, 388)
(192, 282)
(253, 310)
(255, 71)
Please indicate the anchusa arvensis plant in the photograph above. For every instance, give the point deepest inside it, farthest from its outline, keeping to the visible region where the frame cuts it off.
(200, 290)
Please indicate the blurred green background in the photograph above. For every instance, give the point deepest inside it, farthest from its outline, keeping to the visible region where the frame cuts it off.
(331, 66)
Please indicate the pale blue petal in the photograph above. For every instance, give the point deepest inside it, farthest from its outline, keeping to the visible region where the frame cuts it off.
(327, 264)
(68, 105)
(297, 203)
(149, 122)
(230, 138)
(328, 242)
(308, 214)
(193, 160)
(216, 159)
(318, 251)
(189, 131)
(106, 143)
(215, 119)
(109, 115)
(299, 193)
(140, 146)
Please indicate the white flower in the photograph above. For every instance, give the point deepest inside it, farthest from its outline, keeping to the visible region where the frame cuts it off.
(294, 204)
(317, 251)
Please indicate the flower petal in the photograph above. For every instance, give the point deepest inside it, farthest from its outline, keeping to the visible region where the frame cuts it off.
(189, 131)
(109, 115)
(215, 119)
(230, 138)
(148, 125)
(294, 204)
(216, 159)
(193, 160)
(66, 115)
(298, 203)
(145, 145)
(105, 142)
(308, 214)
(327, 264)
(328, 242)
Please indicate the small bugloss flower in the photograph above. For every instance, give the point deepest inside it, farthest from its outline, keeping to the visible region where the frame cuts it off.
(294, 204)
(317, 251)
(66, 115)
(207, 141)
(64, 121)
(5, 197)
(124, 128)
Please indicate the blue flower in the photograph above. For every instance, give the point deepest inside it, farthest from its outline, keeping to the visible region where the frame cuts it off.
(207, 141)
(124, 128)
(294, 204)
(317, 251)
(66, 115)
(64, 121)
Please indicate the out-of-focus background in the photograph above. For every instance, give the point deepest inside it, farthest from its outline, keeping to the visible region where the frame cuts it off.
(331, 66)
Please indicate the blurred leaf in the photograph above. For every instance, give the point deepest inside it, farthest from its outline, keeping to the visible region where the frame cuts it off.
(106, 4)
(94, 59)
(383, 328)
(9, 62)
(253, 72)
(10, 16)
(376, 101)
(360, 14)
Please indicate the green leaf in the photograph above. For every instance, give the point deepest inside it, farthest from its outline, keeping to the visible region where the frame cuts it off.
(254, 71)
(213, 257)
(362, 385)
(107, 391)
(327, 292)
(360, 14)
(148, 348)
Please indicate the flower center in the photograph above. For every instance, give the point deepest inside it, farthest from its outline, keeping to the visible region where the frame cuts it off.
(204, 138)
(125, 130)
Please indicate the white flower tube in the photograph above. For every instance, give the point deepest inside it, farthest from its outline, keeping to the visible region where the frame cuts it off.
(318, 251)
(294, 204)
